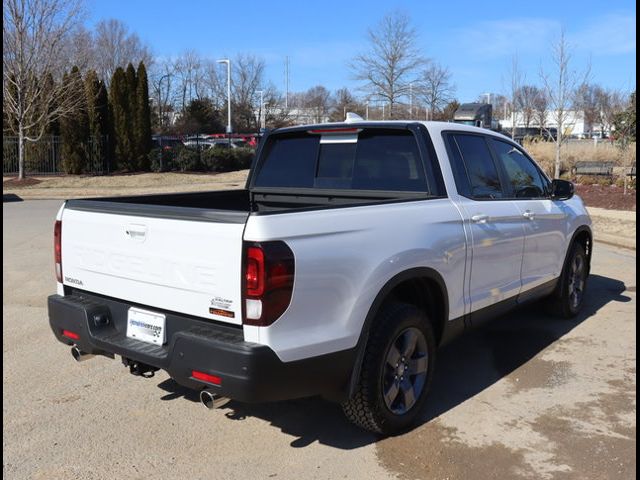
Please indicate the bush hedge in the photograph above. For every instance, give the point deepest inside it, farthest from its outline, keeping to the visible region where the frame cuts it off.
(212, 160)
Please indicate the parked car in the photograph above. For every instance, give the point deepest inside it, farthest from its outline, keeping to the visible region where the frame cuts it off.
(354, 252)
(199, 144)
(225, 144)
(165, 142)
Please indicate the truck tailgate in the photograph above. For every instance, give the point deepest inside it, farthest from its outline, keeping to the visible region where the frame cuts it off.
(190, 265)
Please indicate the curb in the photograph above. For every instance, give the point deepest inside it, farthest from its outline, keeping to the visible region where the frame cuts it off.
(628, 243)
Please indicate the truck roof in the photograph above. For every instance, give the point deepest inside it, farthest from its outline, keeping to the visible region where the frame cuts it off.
(434, 127)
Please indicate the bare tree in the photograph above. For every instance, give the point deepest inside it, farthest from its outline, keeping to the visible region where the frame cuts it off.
(392, 62)
(344, 102)
(275, 113)
(525, 102)
(436, 88)
(187, 68)
(247, 76)
(115, 46)
(541, 109)
(587, 99)
(214, 80)
(78, 50)
(33, 32)
(610, 104)
(318, 100)
(559, 84)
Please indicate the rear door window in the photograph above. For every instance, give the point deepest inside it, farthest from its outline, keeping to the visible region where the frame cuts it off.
(374, 159)
(475, 171)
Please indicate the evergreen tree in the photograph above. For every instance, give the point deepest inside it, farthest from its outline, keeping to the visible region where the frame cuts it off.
(98, 114)
(53, 128)
(131, 92)
(143, 122)
(121, 121)
(74, 130)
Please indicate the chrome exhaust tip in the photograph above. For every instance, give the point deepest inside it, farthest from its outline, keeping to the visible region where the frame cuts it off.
(79, 355)
(212, 400)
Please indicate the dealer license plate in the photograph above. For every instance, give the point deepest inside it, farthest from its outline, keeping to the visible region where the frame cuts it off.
(146, 326)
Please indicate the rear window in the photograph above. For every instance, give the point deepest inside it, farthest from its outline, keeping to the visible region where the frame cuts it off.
(373, 159)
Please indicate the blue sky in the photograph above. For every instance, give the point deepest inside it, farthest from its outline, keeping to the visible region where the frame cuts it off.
(476, 40)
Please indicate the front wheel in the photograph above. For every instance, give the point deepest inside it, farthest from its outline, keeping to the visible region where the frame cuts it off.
(396, 372)
(570, 294)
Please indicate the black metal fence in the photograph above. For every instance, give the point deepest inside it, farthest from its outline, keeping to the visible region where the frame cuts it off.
(44, 157)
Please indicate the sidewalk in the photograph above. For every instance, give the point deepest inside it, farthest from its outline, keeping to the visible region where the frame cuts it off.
(615, 227)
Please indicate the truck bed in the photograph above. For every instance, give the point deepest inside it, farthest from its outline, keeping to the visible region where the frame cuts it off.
(232, 206)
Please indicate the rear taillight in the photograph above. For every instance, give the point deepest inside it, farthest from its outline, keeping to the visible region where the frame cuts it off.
(255, 272)
(57, 249)
(268, 282)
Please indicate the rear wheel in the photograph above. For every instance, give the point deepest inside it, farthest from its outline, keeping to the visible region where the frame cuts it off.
(396, 373)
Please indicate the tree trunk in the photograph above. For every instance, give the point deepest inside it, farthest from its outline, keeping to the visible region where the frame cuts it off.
(21, 145)
(558, 151)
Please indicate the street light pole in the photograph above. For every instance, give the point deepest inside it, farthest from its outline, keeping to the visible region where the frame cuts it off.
(228, 62)
(160, 112)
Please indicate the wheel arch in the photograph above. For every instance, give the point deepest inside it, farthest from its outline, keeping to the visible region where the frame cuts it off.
(420, 286)
(584, 236)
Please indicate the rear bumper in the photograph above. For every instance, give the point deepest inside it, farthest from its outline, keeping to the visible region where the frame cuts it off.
(249, 372)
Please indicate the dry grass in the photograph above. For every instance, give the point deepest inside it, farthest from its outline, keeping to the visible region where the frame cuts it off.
(578, 151)
(110, 185)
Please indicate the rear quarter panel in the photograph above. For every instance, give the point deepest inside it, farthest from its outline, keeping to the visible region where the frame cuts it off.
(344, 257)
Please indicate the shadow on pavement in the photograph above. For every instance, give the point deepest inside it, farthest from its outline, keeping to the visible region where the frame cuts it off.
(466, 366)
(10, 197)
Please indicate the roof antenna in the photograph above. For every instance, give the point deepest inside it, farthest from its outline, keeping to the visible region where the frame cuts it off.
(353, 118)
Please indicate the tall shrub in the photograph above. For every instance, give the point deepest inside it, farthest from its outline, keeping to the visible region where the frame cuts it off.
(121, 120)
(143, 118)
(74, 131)
(132, 103)
(98, 116)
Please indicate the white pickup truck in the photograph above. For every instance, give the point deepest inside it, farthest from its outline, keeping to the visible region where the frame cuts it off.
(353, 252)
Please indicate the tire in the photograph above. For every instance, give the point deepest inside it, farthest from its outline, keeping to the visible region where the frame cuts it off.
(568, 299)
(388, 366)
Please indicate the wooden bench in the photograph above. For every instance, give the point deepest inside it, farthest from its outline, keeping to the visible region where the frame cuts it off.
(594, 168)
(632, 171)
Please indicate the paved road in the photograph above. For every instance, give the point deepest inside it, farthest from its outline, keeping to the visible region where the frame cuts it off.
(528, 396)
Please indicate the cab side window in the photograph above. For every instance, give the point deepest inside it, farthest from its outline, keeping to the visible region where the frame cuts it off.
(475, 171)
(525, 179)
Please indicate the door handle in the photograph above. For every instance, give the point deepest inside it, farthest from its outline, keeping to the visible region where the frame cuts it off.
(529, 215)
(480, 218)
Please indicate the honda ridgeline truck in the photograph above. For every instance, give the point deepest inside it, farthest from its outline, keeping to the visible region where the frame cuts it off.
(353, 252)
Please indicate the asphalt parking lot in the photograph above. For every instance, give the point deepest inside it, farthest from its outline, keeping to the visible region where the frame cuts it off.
(528, 396)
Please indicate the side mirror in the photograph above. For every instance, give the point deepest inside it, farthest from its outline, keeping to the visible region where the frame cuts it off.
(562, 189)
